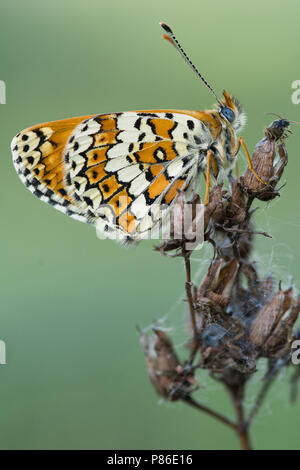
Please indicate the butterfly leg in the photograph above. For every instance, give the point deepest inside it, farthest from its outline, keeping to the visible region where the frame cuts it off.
(241, 142)
(209, 159)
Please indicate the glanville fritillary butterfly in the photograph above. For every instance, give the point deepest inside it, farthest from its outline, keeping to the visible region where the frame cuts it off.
(122, 171)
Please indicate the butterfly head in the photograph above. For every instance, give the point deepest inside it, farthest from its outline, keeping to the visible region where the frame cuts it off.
(232, 111)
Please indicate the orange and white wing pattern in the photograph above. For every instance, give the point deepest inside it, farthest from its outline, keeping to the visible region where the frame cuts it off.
(113, 170)
(38, 159)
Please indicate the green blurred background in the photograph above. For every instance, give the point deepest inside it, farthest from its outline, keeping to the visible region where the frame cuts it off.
(75, 375)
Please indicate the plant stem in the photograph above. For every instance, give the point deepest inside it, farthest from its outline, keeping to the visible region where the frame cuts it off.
(262, 394)
(188, 288)
(190, 401)
(244, 438)
(242, 427)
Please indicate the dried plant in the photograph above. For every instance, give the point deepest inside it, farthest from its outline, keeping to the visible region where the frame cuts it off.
(235, 316)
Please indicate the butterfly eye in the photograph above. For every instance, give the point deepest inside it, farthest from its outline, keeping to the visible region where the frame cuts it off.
(228, 114)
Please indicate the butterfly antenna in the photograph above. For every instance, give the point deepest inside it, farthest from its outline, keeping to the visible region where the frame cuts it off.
(170, 36)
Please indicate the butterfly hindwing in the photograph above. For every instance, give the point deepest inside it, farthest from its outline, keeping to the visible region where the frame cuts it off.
(118, 166)
(110, 170)
(38, 159)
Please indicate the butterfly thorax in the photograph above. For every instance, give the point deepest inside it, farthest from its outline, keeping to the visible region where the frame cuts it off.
(225, 145)
(222, 135)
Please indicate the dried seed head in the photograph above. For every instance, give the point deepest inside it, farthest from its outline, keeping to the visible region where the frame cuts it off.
(271, 329)
(267, 167)
(235, 317)
(236, 210)
(218, 283)
(279, 343)
(262, 161)
(170, 379)
(216, 208)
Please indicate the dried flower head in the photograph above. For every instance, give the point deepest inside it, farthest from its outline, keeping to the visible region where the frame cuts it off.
(170, 379)
(236, 317)
(266, 165)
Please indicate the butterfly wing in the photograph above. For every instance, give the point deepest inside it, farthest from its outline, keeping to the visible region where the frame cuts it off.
(115, 170)
(38, 159)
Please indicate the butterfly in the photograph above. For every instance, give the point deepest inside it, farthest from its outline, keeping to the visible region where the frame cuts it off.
(122, 172)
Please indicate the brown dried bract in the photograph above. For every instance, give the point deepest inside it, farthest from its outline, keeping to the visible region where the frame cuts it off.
(269, 159)
(170, 379)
